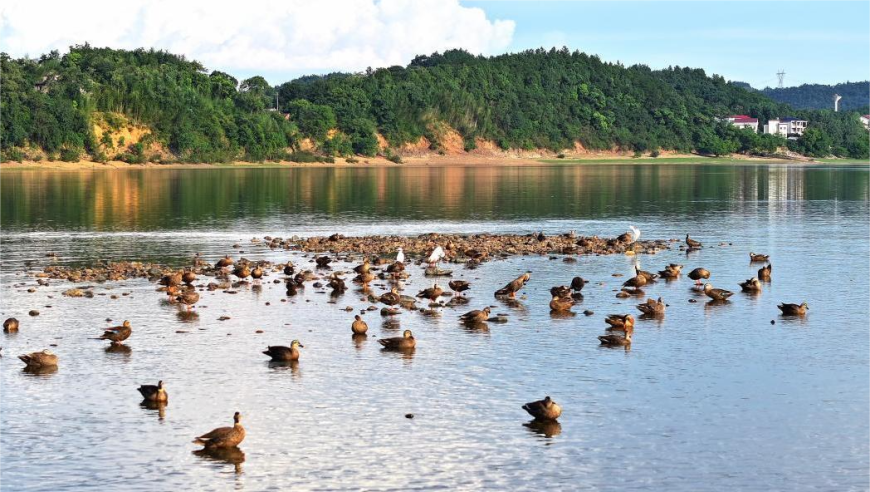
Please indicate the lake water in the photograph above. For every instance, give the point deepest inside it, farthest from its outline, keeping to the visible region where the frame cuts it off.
(713, 397)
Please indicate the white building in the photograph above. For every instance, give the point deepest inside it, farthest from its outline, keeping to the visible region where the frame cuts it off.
(865, 120)
(742, 121)
(786, 127)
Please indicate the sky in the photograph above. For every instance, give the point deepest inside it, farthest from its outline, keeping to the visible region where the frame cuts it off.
(812, 41)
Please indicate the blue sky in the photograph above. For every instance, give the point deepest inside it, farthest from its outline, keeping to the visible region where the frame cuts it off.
(813, 41)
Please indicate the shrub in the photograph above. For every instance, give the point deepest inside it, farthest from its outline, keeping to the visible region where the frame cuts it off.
(351, 160)
(13, 155)
(69, 155)
(655, 153)
(637, 154)
(394, 158)
(560, 156)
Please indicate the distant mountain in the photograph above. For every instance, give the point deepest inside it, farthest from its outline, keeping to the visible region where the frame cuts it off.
(856, 95)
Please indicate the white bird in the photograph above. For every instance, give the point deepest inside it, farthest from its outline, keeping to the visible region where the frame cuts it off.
(635, 233)
(436, 256)
(400, 256)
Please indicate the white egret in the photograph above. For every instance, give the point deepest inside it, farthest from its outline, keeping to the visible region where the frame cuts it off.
(400, 256)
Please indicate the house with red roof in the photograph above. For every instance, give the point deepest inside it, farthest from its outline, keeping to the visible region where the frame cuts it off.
(742, 121)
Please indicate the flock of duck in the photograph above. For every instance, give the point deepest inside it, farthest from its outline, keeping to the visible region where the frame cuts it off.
(179, 288)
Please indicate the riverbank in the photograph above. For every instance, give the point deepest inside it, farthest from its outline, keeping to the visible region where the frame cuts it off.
(422, 161)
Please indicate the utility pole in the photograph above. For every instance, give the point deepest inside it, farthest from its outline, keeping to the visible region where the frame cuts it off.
(276, 101)
(781, 76)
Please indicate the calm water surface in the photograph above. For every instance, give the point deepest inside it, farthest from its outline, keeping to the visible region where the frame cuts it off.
(714, 397)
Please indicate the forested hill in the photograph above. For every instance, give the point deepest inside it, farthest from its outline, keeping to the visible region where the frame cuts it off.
(151, 105)
(856, 95)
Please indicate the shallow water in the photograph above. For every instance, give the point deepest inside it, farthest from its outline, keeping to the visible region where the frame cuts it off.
(713, 397)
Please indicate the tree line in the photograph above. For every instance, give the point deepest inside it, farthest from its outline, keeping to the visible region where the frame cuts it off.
(536, 99)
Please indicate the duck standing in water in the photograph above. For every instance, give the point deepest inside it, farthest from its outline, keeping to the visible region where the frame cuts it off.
(45, 358)
(618, 340)
(188, 297)
(458, 286)
(620, 322)
(10, 324)
(765, 271)
(117, 334)
(404, 342)
(692, 244)
(432, 293)
(652, 307)
(753, 257)
(224, 262)
(153, 393)
(476, 316)
(224, 437)
(698, 274)
(717, 294)
(671, 271)
(751, 285)
(793, 309)
(359, 327)
(280, 353)
(391, 298)
(545, 409)
(514, 286)
(560, 304)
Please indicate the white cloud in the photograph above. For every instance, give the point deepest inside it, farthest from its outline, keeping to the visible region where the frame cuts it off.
(258, 35)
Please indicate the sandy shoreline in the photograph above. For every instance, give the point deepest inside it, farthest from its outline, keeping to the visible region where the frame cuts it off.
(419, 161)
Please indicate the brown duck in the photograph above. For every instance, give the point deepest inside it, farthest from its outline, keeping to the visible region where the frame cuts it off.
(458, 286)
(635, 282)
(753, 257)
(652, 307)
(188, 297)
(224, 437)
(281, 353)
(751, 285)
(432, 293)
(242, 271)
(117, 334)
(620, 321)
(39, 359)
(391, 298)
(154, 393)
(793, 309)
(476, 316)
(561, 304)
(717, 294)
(322, 261)
(698, 274)
(257, 273)
(359, 327)
(406, 341)
(337, 284)
(617, 340)
(10, 324)
(764, 272)
(671, 271)
(649, 276)
(545, 409)
(514, 286)
(224, 262)
(692, 243)
(364, 268)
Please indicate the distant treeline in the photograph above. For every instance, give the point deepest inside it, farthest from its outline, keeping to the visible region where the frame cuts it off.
(545, 99)
(856, 96)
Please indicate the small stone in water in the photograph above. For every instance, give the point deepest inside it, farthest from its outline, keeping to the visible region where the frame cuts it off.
(259, 331)
(773, 322)
(409, 415)
(33, 312)
(693, 300)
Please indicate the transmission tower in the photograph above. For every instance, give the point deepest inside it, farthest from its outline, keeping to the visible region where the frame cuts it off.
(780, 75)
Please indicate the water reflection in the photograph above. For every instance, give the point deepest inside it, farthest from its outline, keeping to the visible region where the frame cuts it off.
(546, 428)
(152, 406)
(231, 456)
(291, 365)
(177, 199)
(119, 349)
(42, 371)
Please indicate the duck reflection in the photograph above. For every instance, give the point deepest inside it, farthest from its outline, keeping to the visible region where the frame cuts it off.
(562, 314)
(232, 456)
(159, 406)
(359, 340)
(119, 349)
(280, 365)
(716, 303)
(546, 428)
(481, 327)
(391, 324)
(187, 316)
(43, 371)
